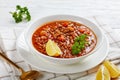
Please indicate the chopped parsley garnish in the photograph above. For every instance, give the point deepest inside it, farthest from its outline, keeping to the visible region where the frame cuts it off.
(21, 14)
(79, 44)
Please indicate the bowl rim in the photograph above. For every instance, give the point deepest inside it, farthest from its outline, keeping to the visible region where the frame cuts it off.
(62, 59)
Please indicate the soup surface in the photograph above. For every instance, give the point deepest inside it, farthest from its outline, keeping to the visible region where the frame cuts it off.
(64, 33)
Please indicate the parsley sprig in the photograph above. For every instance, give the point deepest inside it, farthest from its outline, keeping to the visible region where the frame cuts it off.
(21, 14)
(79, 44)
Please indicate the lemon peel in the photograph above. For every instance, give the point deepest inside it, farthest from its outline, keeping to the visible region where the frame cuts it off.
(52, 48)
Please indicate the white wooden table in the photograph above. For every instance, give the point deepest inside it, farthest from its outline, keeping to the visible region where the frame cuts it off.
(105, 13)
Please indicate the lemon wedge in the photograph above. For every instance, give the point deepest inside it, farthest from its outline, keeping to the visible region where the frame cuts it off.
(52, 48)
(112, 68)
(103, 73)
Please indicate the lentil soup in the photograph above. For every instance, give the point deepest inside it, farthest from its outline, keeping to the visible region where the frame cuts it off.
(64, 34)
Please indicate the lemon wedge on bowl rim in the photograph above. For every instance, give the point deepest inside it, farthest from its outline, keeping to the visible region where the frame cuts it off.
(112, 68)
(103, 73)
(52, 48)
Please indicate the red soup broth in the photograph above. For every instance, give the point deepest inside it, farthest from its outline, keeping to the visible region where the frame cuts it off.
(64, 34)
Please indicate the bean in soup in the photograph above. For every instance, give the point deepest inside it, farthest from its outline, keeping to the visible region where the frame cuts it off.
(73, 38)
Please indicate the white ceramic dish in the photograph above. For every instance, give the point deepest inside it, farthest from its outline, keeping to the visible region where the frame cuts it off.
(36, 24)
(90, 62)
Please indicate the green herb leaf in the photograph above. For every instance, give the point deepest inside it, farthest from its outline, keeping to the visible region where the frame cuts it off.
(79, 44)
(21, 14)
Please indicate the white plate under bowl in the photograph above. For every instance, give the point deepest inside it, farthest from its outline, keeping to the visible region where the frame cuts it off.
(88, 63)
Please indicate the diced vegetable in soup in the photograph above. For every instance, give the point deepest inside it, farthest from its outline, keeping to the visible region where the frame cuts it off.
(74, 39)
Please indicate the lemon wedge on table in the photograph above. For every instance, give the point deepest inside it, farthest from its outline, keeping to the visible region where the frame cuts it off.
(103, 73)
(112, 68)
(52, 48)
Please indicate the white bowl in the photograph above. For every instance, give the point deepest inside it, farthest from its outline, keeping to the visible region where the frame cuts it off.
(32, 27)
